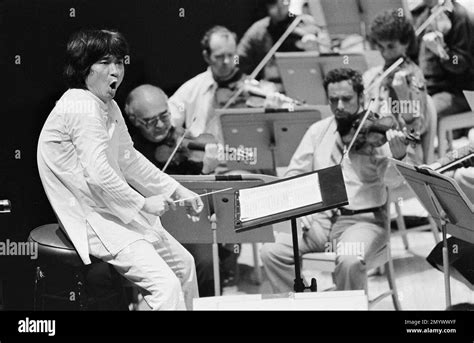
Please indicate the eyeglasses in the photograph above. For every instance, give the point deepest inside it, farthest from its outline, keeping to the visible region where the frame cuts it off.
(151, 122)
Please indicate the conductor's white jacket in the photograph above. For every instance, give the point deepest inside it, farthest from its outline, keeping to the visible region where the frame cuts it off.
(87, 164)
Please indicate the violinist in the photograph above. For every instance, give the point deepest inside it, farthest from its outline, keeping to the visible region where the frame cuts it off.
(361, 223)
(147, 109)
(402, 94)
(446, 54)
(193, 105)
(262, 35)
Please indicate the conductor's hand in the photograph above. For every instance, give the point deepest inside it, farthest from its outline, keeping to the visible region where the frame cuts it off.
(397, 142)
(158, 204)
(191, 201)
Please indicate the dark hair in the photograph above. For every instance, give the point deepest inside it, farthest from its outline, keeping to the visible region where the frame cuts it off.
(216, 29)
(392, 25)
(85, 48)
(345, 74)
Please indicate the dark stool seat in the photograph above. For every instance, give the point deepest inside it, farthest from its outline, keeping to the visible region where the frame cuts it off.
(54, 245)
(59, 263)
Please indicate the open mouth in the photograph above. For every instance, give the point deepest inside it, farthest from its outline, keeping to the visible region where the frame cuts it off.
(113, 85)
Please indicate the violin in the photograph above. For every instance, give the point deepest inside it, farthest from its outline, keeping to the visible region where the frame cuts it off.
(252, 93)
(373, 131)
(179, 148)
(183, 150)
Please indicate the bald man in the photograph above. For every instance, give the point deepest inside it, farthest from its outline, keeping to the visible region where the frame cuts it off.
(147, 109)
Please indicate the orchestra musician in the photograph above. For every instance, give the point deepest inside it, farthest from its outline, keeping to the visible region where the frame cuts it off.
(402, 94)
(263, 34)
(193, 105)
(359, 224)
(446, 53)
(147, 109)
(106, 194)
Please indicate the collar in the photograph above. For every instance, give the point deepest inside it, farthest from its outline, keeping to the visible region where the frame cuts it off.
(209, 84)
(103, 106)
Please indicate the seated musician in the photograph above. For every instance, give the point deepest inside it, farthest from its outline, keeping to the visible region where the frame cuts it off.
(193, 105)
(446, 49)
(107, 195)
(461, 253)
(263, 34)
(147, 109)
(403, 93)
(361, 223)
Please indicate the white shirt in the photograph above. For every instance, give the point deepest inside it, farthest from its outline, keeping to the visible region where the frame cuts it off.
(192, 106)
(87, 163)
(321, 147)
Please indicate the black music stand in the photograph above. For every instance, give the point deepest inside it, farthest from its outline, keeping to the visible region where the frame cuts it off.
(216, 220)
(447, 204)
(275, 134)
(333, 194)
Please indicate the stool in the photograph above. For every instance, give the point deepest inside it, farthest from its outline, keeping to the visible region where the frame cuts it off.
(56, 251)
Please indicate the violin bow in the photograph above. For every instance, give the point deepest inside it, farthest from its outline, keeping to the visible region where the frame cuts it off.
(361, 125)
(447, 4)
(178, 144)
(265, 60)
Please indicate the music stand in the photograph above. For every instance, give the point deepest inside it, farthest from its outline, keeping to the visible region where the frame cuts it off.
(447, 204)
(341, 16)
(330, 192)
(275, 134)
(303, 72)
(216, 220)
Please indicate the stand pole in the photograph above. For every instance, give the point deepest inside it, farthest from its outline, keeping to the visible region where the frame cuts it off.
(444, 220)
(215, 259)
(215, 249)
(299, 285)
(447, 284)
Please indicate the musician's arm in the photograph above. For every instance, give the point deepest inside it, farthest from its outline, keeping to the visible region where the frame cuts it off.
(302, 160)
(247, 48)
(458, 50)
(455, 155)
(177, 107)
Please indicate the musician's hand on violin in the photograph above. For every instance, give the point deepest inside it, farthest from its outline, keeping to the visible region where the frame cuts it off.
(211, 158)
(435, 42)
(400, 84)
(275, 100)
(158, 204)
(309, 42)
(190, 200)
(396, 140)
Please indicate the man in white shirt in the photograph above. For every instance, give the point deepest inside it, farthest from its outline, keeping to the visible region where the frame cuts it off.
(88, 166)
(355, 232)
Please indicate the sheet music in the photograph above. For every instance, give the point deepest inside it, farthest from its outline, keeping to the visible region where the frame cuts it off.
(279, 197)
